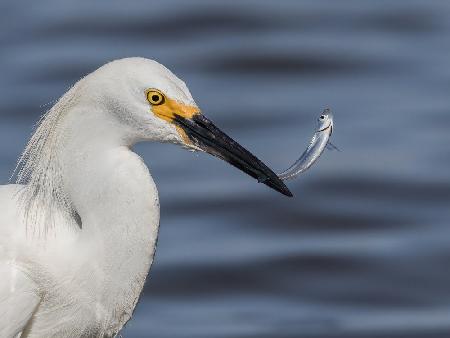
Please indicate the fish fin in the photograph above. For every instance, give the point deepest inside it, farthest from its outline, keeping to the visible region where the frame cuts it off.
(331, 146)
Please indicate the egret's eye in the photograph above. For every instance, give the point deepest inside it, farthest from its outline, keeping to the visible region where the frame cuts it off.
(155, 98)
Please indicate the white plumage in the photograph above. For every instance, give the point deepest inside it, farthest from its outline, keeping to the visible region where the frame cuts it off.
(65, 279)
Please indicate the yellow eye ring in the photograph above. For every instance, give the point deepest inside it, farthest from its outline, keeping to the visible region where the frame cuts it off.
(155, 97)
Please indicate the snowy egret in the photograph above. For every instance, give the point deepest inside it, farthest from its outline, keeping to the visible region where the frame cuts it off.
(78, 231)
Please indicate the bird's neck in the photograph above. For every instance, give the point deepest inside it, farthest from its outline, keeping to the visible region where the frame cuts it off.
(112, 191)
(88, 162)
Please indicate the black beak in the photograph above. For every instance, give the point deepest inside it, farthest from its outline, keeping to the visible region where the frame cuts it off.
(206, 136)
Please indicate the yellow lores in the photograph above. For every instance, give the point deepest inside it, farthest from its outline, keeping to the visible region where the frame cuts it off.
(166, 108)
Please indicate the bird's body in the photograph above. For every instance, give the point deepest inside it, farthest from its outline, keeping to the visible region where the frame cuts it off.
(78, 233)
(83, 282)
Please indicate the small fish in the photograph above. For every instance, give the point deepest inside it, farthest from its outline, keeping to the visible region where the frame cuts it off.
(319, 142)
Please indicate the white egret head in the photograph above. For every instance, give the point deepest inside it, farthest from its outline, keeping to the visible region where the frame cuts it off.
(151, 104)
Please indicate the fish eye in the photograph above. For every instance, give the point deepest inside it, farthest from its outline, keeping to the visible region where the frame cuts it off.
(322, 117)
(155, 97)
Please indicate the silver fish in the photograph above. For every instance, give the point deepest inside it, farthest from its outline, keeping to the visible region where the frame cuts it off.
(319, 142)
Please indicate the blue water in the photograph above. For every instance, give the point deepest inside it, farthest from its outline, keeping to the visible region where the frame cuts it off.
(364, 247)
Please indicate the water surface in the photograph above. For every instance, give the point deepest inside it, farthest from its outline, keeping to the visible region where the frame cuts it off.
(363, 248)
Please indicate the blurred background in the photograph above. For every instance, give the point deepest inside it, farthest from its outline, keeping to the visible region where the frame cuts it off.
(363, 248)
